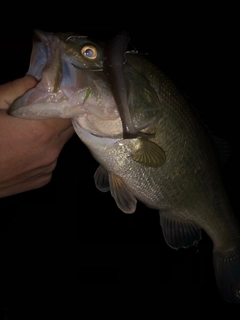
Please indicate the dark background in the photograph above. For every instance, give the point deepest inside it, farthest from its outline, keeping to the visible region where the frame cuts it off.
(70, 233)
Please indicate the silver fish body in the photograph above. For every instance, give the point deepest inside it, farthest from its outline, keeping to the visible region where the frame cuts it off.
(185, 186)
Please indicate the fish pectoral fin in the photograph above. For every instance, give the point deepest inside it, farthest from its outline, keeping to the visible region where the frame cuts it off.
(101, 179)
(124, 198)
(149, 154)
(178, 232)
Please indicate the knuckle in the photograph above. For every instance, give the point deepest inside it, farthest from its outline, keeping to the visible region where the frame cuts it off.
(51, 165)
(48, 163)
(43, 180)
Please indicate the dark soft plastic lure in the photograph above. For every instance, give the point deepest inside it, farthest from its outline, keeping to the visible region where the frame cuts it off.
(113, 67)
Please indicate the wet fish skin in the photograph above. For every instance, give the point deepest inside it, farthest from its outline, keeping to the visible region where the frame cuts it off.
(186, 189)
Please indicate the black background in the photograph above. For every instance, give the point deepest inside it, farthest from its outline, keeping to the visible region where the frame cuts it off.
(70, 233)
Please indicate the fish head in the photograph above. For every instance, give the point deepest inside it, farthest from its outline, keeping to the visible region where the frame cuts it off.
(72, 84)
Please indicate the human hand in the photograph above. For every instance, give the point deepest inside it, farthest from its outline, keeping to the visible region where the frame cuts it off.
(29, 149)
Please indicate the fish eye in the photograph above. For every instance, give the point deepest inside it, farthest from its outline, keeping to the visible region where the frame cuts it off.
(89, 52)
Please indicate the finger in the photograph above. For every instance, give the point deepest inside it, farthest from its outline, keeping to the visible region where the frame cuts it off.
(57, 124)
(11, 90)
(66, 134)
(30, 184)
(24, 177)
(63, 128)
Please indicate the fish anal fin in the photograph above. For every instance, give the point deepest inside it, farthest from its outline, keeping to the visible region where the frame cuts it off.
(124, 198)
(149, 154)
(178, 232)
(101, 179)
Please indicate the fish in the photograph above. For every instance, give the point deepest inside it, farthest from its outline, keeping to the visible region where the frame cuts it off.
(169, 163)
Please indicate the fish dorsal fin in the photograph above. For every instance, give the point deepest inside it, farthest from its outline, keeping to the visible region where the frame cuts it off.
(177, 232)
(124, 198)
(101, 179)
(149, 154)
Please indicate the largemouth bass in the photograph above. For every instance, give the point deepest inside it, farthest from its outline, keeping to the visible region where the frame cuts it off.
(168, 164)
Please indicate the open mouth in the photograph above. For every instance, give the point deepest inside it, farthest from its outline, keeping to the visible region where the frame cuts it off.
(47, 66)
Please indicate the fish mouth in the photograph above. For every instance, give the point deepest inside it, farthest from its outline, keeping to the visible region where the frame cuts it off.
(56, 81)
(64, 91)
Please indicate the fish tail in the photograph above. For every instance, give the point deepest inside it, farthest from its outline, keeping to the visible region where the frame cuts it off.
(227, 273)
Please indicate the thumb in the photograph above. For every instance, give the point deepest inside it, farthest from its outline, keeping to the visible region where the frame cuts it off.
(11, 90)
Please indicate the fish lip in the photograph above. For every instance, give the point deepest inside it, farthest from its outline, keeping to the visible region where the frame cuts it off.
(44, 45)
(39, 55)
(39, 35)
